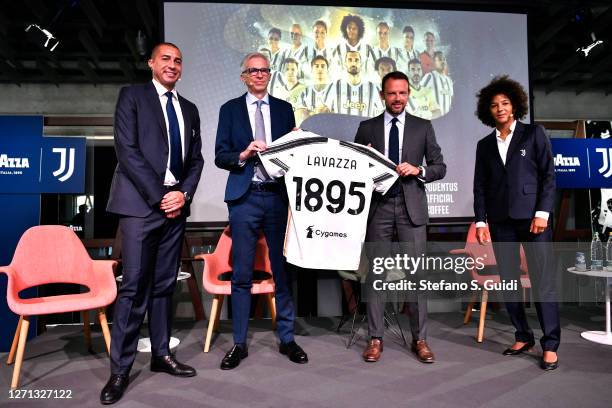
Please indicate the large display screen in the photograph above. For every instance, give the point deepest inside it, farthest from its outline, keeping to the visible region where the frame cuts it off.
(328, 63)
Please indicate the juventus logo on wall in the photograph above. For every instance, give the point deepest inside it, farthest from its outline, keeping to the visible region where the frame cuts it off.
(67, 172)
(606, 168)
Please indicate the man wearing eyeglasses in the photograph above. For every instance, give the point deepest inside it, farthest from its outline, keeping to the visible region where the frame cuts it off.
(256, 202)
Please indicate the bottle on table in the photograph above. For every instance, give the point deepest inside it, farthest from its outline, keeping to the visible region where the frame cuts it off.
(596, 253)
(609, 252)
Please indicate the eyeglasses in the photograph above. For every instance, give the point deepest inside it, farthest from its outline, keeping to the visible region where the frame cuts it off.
(294, 35)
(254, 71)
(273, 39)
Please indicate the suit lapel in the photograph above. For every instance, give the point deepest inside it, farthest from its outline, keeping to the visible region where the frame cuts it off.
(244, 117)
(379, 135)
(156, 108)
(494, 150)
(274, 118)
(519, 131)
(187, 123)
(406, 138)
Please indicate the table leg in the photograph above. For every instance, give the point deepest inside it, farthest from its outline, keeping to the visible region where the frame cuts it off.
(600, 336)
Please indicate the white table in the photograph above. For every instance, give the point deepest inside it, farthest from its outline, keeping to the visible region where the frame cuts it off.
(144, 343)
(601, 337)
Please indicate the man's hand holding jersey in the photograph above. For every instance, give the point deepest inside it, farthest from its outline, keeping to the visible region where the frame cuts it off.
(406, 169)
(252, 149)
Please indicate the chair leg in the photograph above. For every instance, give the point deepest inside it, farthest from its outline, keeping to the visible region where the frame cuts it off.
(272, 306)
(105, 330)
(218, 316)
(483, 316)
(23, 336)
(211, 322)
(468, 312)
(11, 357)
(86, 329)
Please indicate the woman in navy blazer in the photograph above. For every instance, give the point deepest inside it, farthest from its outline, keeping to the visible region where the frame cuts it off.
(514, 192)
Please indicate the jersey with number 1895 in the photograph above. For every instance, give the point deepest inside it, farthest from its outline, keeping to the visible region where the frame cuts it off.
(329, 185)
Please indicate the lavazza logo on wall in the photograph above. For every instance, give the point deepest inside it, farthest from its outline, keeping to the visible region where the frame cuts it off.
(566, 163)
(312, 232)
(13, 164)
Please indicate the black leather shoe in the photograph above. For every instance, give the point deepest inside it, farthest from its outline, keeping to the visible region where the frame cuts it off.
(294, 352)
(168, 364)
(511, 352)
(114, 388)
(233, 357)
(549, 366)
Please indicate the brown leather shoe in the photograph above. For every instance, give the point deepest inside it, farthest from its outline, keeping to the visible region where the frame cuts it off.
(372, 352)
(422, 351)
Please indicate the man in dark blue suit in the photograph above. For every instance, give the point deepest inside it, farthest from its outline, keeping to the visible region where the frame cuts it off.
(514, 191)
(158, 146)
(255, 202)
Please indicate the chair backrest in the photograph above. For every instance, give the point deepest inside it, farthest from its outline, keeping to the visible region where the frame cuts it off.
(51, 254)
(485, 252)
(223, 253)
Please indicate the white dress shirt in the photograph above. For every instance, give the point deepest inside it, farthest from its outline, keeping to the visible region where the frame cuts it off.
(169, 179)
(502, 147)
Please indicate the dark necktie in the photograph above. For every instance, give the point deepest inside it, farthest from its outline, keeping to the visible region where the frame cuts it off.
(394, 142)
(394, 155)
(176, 150)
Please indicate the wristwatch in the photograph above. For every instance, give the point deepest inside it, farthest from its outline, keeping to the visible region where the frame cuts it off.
(187, 196)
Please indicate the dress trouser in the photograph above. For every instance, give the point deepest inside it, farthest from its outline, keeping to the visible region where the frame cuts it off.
(259, 211)
(151, 248)
(391, 218)
(507, 237)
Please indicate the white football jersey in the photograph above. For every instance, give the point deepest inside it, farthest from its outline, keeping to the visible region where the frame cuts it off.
(329, 184)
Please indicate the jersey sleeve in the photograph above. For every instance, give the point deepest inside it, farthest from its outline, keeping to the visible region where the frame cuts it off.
(276, 159)
(279, 156)
(381, 169)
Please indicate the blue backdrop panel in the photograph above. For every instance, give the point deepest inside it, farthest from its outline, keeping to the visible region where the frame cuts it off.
(583, 163)
(19, 212)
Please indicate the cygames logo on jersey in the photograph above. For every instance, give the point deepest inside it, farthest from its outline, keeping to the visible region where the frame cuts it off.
(310, 231)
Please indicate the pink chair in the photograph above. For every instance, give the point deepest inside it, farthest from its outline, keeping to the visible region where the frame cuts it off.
(54, 254)
(220, 262)
(487, 256)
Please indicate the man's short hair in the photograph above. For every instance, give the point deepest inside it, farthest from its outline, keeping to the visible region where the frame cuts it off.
(394, 75)
(430, 33)
(162, 44)
(288, 61)
(414, 61)
(320, 23)
(408, 29)
(383, 24)
(438, 54)
(355, 19)
(385, 60)
(276, 31)
(249, 57)
(319, 58)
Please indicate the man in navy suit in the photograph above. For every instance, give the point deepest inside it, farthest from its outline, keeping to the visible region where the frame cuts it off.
(514, 191)
(158, 146)
(256, 202)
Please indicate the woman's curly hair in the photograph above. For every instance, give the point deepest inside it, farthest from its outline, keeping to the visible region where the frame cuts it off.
(501, 84)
